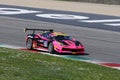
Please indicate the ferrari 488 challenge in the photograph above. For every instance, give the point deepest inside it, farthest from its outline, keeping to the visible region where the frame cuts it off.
(53, 42)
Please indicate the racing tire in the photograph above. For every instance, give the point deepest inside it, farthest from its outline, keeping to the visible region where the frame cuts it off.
(51, 48)
(29, 44)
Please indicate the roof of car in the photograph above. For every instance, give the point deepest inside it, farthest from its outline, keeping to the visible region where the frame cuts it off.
(59, 34)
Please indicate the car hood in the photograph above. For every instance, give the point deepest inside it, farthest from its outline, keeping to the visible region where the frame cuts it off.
(68, 42)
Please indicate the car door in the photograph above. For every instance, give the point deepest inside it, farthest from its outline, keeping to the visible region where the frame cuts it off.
(45, 38)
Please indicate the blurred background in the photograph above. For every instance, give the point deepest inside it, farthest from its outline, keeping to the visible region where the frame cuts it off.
(116, 2)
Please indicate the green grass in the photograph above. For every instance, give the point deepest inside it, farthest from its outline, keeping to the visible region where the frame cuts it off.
(22, 65)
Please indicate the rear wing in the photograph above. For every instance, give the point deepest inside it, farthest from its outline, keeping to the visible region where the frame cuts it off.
(30, 29)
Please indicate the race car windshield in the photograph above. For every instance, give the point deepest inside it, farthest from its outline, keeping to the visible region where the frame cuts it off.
(63, 38)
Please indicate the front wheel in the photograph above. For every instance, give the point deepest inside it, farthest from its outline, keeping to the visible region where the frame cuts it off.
(51, 48)
(29, 44)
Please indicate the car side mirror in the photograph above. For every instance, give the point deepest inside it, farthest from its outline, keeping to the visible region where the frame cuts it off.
(74, 39)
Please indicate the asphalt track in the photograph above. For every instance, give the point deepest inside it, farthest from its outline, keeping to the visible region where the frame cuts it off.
(106, 23)
(103, 45)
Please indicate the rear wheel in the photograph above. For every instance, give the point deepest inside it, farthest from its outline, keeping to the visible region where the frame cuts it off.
(29, 44)
(51, 48)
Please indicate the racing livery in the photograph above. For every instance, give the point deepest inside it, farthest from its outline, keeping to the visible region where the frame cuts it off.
(53, 42)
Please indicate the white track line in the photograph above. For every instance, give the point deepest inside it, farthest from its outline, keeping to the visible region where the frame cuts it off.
(10, 46)
(100, 21)
(113, 24)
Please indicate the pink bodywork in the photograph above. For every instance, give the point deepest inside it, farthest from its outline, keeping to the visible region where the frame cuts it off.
(71, 48)
(61, 48)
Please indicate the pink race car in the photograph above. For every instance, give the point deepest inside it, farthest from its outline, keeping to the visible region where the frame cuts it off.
(53, 42)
